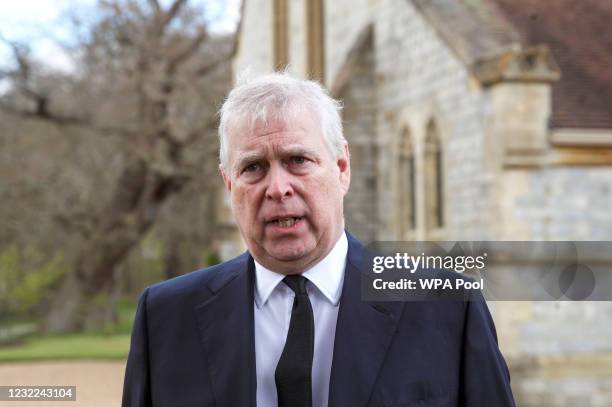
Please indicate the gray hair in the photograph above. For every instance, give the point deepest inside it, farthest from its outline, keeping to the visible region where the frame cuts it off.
(280, 97)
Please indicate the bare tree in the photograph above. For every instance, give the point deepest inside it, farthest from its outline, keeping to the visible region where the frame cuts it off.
(151, 78)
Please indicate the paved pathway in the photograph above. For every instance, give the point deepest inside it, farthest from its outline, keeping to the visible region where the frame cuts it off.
(98, 383)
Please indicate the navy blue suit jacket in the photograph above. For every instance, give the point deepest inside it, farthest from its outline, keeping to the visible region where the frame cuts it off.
(193, 345)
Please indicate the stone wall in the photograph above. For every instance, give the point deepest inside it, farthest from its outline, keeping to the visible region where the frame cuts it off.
(562, 203)
(561, 351)
(359, 119)
(297, 38)
(255, 47)
(344, 21)
(421, 79)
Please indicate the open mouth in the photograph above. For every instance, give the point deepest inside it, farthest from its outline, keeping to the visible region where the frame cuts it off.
(286, 222)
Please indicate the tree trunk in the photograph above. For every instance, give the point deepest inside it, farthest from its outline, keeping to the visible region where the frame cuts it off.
(181, 252)
(172, 258)
(83, 300)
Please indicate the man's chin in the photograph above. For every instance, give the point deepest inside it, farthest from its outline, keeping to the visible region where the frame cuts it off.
(289, 258)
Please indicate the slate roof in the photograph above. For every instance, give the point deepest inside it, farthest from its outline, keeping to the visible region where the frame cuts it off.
(579, 35)
(474, 29)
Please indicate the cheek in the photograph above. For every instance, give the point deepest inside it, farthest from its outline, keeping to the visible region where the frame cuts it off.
(244, 202)
(239, 205)
(325, 198)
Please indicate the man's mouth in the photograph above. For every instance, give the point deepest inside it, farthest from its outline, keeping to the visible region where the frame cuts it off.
(286, 222)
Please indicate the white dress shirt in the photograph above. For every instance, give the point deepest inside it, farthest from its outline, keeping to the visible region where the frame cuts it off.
(273, 303)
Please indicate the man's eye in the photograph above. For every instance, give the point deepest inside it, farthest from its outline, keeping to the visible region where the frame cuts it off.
(252, 168)
(298, 160)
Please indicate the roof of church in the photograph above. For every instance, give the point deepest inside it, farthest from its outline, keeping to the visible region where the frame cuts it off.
(579, 36)
(503, 39)
(474, 29)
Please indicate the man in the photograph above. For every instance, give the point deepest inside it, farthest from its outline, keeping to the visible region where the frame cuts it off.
(284, 323)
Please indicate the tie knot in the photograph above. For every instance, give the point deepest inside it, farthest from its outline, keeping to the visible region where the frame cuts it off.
(297, 283)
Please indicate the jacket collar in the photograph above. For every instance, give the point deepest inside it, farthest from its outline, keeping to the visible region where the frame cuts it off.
(364, 332)
(327, 275)
(225, 322)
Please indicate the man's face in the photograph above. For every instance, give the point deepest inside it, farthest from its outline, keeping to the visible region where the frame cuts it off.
(287, 192)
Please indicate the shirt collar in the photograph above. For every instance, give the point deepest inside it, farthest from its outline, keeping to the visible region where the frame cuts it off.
(327, 275)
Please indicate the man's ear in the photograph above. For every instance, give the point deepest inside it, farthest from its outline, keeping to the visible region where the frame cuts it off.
(344, 164)
(226, 180)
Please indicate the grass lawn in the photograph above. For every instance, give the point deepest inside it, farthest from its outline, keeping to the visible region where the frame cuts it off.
(86, 345)
(72, 346)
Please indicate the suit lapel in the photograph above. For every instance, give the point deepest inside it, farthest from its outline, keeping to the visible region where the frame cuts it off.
(226, 328)
(364, 332)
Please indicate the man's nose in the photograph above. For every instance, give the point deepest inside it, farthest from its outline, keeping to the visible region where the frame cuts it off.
(279, 183)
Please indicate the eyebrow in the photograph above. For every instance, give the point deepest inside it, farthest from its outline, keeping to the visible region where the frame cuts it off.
(250, 157)
(247, 158)
(298, 150)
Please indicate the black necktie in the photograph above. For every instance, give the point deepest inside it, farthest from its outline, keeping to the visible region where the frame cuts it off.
(294, 369)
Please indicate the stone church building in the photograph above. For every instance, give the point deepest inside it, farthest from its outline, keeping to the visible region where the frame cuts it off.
(471, 120)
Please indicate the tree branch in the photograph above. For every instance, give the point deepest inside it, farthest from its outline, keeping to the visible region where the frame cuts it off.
(42, 113)
(206, 69)
(181, 56)
(80, 222)
(172, 12)
(195, 134)
(155, 6)
(20, 53)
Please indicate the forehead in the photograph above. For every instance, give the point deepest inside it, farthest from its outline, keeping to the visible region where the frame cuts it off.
(276, 135)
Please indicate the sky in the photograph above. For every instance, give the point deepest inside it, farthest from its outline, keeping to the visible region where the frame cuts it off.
(35, 21)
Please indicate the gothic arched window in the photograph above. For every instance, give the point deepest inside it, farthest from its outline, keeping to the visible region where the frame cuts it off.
(406, 186)
(434, 179)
